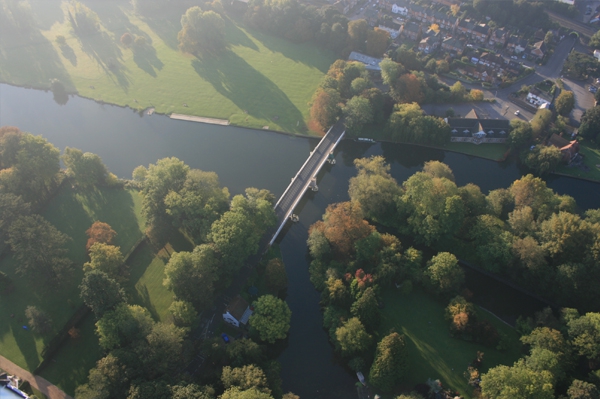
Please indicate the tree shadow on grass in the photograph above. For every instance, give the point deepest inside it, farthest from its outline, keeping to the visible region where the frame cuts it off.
(114, 19)
(249, 89)
(299, 52)
(145, 58)
(69, 54)
(26, 344)
(166, 24)
(29, 54)
(234, 36)
(105, 51)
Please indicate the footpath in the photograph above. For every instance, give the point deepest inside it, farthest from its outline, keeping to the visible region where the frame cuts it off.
(41, 384)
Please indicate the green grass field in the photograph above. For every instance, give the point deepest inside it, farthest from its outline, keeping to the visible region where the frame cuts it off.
(489, 151)
(72, 211)
(591, 160)
(432, 352)
(259, 80)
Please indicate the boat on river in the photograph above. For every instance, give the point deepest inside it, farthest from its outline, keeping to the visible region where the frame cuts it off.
(365, 140)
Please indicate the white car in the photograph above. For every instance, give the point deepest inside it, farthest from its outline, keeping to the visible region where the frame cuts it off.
(517, 112)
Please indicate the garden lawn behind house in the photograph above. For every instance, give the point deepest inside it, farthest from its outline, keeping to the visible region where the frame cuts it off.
(432, 352)
(488, 151)
(258, 80)
(591, 160)
(71, 211)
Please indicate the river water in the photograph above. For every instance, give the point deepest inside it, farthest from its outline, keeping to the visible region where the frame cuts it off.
(250, 158)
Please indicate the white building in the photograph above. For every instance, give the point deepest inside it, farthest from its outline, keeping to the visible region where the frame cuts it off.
(238, 312)
(538, 101)
(8, 388)
(402, 10)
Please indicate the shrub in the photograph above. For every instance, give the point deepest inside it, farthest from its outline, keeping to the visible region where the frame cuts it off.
(126, 39)
(38, 320)
(140, 41)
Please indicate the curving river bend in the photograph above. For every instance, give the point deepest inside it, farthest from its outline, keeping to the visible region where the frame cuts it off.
(250, 158)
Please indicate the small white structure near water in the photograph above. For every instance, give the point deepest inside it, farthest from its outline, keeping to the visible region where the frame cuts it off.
(238, 312)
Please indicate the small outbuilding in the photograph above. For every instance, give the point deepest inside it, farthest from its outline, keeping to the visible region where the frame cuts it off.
(237, 312)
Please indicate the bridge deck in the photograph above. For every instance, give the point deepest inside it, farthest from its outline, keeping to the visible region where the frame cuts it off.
(292, 195)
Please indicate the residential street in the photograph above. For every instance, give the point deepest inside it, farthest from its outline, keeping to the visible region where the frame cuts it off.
(503, 108)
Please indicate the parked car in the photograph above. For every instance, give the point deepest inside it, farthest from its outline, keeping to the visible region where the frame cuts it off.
(514, 57)
(225, 338)
(593, 89)
(517, 112)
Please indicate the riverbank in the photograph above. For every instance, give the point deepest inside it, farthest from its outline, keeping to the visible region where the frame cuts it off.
(257, 81)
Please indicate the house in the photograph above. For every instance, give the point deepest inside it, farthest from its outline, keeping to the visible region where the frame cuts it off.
(9, 388)
(238, 312)
(538, 50)
(418, 12)
(568, 149)
(516, 44)
(466, 27)
(371, 16)
(540, 34)
(371, 63)
(537, 98)
(411, 30)
(453, 45)
(473, 129)
(444, 21)
(481, 32)
(499, 37)
(400, 8)
(430, 41)
(391, 27)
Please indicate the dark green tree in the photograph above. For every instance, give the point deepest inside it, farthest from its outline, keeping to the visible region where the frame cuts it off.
(275, 275)
(198, 204)
(186, 272)
(86, 169)
(391, 362)
(357, 113)
(520, 133)
(40, 250)
(367, 310)
(445, 273)
(375, 189)
(352, 338)
(201, 31)
(100, 292)
(169, 174)
(590, 124)
(271, 318)
(565, 102)
(38, 320)
(123, 326)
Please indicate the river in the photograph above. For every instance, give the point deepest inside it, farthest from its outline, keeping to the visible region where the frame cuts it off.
(245, 158)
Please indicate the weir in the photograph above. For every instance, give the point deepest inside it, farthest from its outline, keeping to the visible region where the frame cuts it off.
(306, 176)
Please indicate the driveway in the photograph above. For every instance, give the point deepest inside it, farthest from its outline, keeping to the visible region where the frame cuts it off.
(583, 98)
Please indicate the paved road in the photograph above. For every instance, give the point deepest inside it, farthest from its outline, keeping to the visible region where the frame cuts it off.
(39, 383)
(503, 108)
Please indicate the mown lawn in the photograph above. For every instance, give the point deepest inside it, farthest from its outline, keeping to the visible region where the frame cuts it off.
(72, 211)
(591, 161)
(258, 80)
(489, 151)
(432, 352)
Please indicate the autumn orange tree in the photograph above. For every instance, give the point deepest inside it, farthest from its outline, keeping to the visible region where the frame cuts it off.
(99, 232)
(325, 109)
(342, 226)
(408, 89)
(377, 42)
